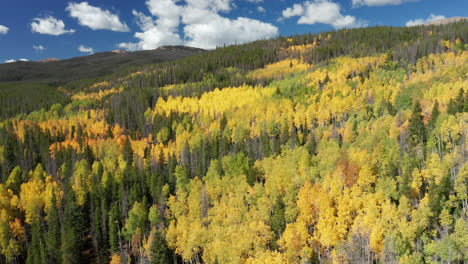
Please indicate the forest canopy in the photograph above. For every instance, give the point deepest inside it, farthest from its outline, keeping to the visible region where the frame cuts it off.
(340, 147)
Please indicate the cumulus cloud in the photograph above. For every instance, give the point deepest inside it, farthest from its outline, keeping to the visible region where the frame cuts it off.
(203, 26)
(212, 5)
(85, 49)
(3, 30)
(39, 48)
(295, 10)
(159, 32)
(261, 9)
(96, 18)
(420, 21)
(49, 26)
(225, 31)
(167, 13)
(13, 60)
(357, 3)
(207, 29)
(144, 22)
(151, 39)
(321, 11)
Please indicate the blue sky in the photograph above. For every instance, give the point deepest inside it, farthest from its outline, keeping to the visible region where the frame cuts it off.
(34, 30)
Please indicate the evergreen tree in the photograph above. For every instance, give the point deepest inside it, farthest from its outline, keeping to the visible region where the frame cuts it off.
(89, 155)
(416, 125)
(311, 145)
(460, 101)
(182, 175)
(53, 232)
(36, 254)
(158, 251)
(70, 239)
(278, 222)
(114, 229)
(452, 107)
(465, 103)
(10, 150)
(434, 116)
(128, 151)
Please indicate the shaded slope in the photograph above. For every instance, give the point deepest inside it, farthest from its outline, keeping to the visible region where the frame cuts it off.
(91, 66)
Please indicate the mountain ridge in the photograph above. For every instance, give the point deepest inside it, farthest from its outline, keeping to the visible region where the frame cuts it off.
(446, 21)
(89, 66)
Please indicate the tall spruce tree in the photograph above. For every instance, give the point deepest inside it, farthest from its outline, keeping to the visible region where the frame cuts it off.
(53, 232)
(416, 125)
(433, 119)
(114, 229)
(158, 251)
(70, 239)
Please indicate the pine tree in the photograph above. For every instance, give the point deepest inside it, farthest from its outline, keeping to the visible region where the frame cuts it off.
(460, 101)
(70, 239)
(416, 126)
(53, 232)
(452, 107)
(9, 152)
(465, 103)
(278, 222)
(37, 254)
(113, 229)
(311, 145)
(128, 151)
(89, 155)
(158, 250)
(434, 116)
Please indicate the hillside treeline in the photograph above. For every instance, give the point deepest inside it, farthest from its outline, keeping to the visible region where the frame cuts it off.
(340, 147)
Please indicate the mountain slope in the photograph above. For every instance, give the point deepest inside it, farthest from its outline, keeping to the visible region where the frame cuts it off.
(340, 147)
(446, 21)
(90, 66)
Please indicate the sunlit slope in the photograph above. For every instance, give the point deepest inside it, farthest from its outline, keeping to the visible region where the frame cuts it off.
(301, 155)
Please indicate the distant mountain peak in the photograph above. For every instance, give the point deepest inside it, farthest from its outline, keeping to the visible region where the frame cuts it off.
(446, 21)
(90, 66)
(120, 51)
(48, 60)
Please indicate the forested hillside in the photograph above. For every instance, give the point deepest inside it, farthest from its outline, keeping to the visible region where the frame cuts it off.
(341, 147)
(86, 67)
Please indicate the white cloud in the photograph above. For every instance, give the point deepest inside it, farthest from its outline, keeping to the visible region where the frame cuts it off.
(85, 49)
(39, 48)
(222, 31)
(167, 11)
(49, 26)
(151, 39)
(194, 15)
(296, 10)
(95, 18)
(261, 9)
(202, 25)
(357, 3)
(322, 11)
(159, 32)
(420, 21)
(211, 5)
(3, 30)
(12, 60)
(144, 22)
